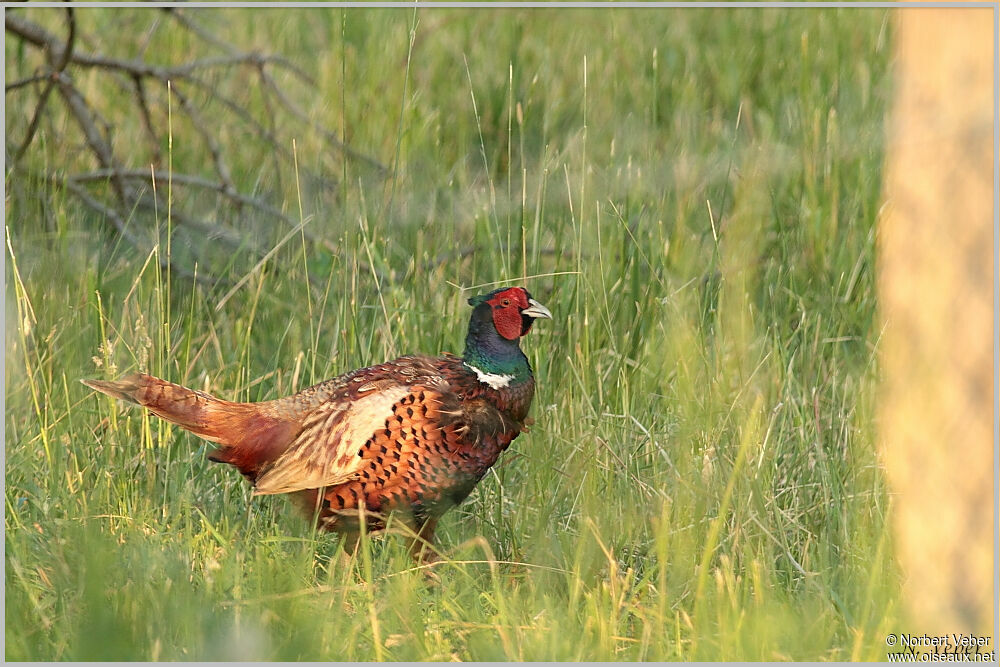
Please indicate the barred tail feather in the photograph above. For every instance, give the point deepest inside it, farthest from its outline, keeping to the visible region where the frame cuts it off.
(250, 435)
(204, 415)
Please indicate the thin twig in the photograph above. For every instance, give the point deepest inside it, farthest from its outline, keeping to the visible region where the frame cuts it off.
(184, 179)
(82, 112)
(38, 36)
(147, 117)
(273, 129)
(57, 69)
(27, 81)
(123, 230)
(36, 117)
(330, 137)
(221, 168)
(210, 231)
(187, 22)
(204, 183)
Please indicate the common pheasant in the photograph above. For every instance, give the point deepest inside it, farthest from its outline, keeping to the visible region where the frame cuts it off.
(409, 437)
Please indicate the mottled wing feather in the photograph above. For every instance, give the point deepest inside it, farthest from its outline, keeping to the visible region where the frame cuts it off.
(431, 452)
(391, 434)
(325, 452)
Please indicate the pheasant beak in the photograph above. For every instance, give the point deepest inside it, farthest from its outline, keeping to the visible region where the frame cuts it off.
(536, 310)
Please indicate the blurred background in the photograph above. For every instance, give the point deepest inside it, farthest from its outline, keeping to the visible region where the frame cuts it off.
(251, 201)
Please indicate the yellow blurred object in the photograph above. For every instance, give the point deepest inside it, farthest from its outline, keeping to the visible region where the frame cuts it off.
(935, 288)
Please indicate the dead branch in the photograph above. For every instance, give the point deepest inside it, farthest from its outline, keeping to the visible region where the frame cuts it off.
(147, 87)
(192, 25)
(38, 36)
(57, 68)
(123, 230)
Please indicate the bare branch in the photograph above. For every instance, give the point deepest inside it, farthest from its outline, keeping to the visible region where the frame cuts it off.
(188, 83)
(189, 23)
(213, 231)
(44, 97)
(35, 34)
(147, 118)
(38, 36)
(330, 137)
(27, 81)
(123, 230)
(70, 39)
(85, 119)
(36, 117)
(185, 20)
(28, 31)
(221, 168)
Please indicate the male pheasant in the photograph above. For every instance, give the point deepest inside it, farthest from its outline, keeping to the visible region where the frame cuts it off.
(411, 436)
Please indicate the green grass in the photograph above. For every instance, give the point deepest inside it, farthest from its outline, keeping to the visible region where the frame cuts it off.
(692, 193)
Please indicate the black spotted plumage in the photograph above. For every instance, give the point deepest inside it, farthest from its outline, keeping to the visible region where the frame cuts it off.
(409, 438)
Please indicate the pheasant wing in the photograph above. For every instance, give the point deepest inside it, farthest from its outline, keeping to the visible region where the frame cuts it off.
(325, 451)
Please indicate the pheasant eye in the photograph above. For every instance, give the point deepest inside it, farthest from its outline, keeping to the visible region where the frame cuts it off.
(505, 303)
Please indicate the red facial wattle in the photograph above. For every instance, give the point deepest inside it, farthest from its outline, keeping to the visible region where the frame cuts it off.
(507, 307)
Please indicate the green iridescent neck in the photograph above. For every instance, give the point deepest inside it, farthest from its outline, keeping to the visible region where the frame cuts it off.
(487, 351)
(516, 368)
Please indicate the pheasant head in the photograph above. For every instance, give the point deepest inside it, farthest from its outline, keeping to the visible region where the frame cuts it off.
(499, 320)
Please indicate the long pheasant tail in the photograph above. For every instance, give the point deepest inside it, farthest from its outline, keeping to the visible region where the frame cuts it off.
(251, 434)
(203, 415)
(121, 389)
